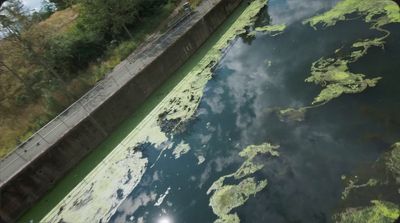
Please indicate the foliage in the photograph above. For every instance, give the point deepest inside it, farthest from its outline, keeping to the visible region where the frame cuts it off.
(109, 17)
(61, 4)
(57, 56)
(45, 11)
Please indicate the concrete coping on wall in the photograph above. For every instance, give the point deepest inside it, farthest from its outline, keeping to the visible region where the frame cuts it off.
(82, 109)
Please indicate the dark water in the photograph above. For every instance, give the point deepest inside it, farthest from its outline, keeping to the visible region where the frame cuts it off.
(304, 183)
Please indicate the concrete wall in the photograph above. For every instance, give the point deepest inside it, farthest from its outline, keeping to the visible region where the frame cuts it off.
(32, 182)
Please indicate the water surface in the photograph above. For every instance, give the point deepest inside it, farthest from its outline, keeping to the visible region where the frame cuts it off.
(256, 76)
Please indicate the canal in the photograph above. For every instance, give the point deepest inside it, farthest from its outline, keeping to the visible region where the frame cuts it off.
(282, 116)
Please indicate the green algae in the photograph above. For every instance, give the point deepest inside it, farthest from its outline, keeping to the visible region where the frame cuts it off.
(187, 97)
(292, 114)
(335, 77)
(273, 30)
(352, 185)
(379, 13)
(91, 200)
(249, 153)
(385, 171)
(333, 73)
(227, 197)
(200, 159)
(161, 198)
(392, 161)
(383, 180)
(181, 149)
(378, 212)
(248, 167)
(361, 47)
(253, 150)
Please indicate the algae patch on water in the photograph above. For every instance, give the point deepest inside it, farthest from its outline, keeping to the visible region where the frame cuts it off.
(273, 30)
(200, 159)
(180, 149)
(384, 172)
(187, 97)
(392, 161)
(161, 198)
(97, 196)
(291, 114)
(333, 73)
(379, 13)
(379, 211)
(352, 185)
(382, 187)
(227, 197)
(335, 77)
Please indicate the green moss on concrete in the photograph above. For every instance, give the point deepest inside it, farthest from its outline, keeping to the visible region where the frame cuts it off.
(378, 212)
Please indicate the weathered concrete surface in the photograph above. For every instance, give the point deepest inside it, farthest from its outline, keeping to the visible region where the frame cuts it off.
(28, 173)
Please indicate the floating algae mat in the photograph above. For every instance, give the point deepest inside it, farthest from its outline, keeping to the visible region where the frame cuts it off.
(291, 116)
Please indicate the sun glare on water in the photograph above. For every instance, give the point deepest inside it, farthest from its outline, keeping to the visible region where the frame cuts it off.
(164, 219)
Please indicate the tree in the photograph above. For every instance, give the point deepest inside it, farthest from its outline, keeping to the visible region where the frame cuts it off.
(14, 73)
(14, 19)
(110, 16)
(46, 10)
(61, 4)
